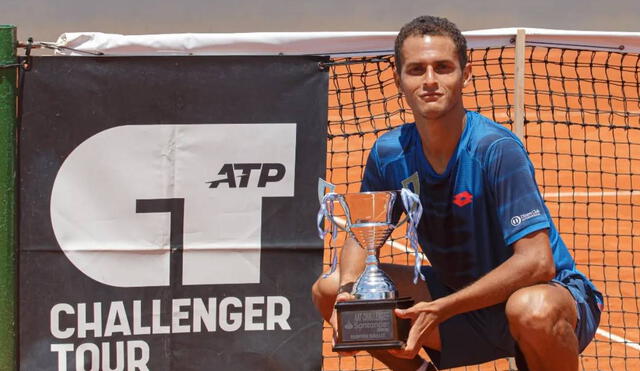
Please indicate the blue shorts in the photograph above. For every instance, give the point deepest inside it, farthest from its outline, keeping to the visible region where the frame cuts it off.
(483, 335)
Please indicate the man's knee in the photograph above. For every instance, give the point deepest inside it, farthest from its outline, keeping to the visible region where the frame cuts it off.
(541, 311)
(323, 294)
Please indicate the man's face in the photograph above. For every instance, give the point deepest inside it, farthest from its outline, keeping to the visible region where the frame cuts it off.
(431, 77)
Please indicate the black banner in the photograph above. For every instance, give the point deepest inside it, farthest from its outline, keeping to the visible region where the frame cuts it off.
(167, 209)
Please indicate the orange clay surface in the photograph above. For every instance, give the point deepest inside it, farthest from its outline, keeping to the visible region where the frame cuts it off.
(583, 136)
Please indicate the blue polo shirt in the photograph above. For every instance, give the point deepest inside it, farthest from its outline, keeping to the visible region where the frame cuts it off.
(486, 199)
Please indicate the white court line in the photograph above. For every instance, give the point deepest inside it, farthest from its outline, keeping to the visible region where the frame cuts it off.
(600, 331)
(590, 194)
(618, 339)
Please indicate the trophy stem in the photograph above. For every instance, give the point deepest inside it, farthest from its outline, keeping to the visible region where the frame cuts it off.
(372, 257)
(373, 283)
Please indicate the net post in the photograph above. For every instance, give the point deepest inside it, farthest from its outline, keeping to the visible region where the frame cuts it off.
(8, 263)
(518, 107)
(518, 86)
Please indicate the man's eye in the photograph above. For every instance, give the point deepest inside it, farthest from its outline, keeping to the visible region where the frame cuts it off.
(443, 68)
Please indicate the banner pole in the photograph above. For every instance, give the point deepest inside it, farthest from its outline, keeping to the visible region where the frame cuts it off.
(8, 263)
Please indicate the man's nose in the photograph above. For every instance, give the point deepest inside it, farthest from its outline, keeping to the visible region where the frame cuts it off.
(429, 80)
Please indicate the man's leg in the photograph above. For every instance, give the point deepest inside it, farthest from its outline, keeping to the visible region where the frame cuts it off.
(324, 293)
(542, 319)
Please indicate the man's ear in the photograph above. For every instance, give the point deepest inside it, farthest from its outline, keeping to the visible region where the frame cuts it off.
(466, 74)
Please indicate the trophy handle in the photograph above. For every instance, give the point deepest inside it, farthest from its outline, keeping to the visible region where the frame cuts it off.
(413, 208)
(322, 187)
(402, 221)
(406, 213)
(346, 225)
(414, 181)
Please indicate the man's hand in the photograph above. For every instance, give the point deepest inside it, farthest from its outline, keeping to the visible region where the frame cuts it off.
(425, 317)
(333, 321)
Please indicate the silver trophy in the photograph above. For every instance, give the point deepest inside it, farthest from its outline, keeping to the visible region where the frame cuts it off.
(368, 322)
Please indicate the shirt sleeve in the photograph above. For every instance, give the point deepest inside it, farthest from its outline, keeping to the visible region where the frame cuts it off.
(372, 179)
(511, 177)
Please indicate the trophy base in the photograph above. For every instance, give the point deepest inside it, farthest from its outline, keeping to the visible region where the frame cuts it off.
(371, 324)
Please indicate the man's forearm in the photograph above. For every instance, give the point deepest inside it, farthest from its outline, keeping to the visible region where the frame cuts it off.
(524, 268)
(493, 288)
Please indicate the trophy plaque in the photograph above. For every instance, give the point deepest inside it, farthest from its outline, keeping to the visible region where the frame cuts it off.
(369, 322)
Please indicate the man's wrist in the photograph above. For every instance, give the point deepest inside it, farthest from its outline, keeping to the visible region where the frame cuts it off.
(448, 306)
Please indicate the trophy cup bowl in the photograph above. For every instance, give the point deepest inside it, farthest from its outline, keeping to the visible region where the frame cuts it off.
(369, 322)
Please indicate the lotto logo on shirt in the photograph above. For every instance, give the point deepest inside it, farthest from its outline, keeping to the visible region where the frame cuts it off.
(518, 219)
(463, 199)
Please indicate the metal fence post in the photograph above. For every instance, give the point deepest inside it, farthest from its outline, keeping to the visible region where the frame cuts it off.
(8, 262)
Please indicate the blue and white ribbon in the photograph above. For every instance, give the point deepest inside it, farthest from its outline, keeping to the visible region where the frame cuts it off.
(326, 209)
(413, 208)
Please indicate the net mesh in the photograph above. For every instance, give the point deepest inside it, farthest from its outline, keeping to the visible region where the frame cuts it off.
(582, 130)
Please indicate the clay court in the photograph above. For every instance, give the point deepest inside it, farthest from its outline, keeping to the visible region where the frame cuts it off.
(582, 131)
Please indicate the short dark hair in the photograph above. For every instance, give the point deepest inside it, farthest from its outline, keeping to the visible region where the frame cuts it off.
(433, 26)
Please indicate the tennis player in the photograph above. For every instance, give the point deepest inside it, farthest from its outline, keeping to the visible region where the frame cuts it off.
(502, 282)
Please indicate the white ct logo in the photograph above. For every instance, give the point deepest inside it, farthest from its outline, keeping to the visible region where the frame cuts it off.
(117, 195)
(515, 221)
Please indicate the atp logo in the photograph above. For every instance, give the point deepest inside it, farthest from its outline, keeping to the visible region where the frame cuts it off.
(268, 173)
(130, 206)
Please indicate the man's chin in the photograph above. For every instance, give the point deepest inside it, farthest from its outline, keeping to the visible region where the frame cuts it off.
(432, 114)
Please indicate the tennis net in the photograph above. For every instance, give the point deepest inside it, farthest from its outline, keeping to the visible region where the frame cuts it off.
(582, 130)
